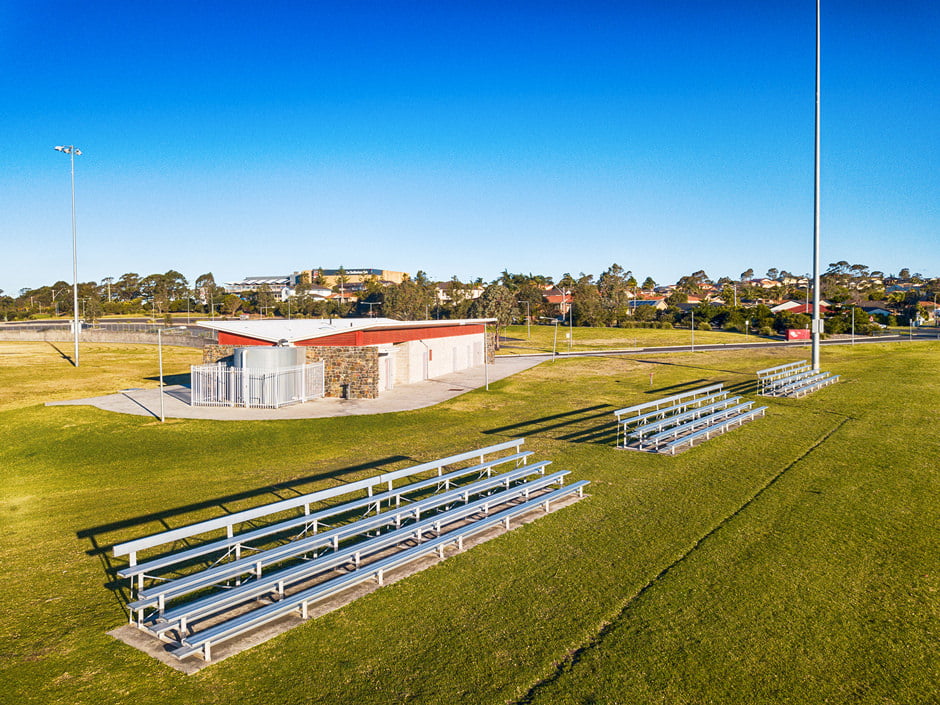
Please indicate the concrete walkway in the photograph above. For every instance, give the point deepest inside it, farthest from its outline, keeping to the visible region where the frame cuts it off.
(146, 402)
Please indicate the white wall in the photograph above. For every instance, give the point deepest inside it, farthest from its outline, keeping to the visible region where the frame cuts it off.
(435, 357)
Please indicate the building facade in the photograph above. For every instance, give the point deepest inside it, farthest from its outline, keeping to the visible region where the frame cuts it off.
(366, 356)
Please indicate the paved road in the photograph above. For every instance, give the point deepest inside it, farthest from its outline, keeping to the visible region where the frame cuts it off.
(859, 340)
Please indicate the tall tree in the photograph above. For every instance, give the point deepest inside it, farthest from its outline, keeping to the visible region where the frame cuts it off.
(128, 286)
(498, 302)
(613, 290)
(408, 301)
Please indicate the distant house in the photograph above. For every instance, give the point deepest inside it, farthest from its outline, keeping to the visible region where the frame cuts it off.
(933, 310)
(808, 310)
(876, 310)
(319, 292)
(657, 304)
(281, 285)
(444, 292)
(559, 301)
(786, 306)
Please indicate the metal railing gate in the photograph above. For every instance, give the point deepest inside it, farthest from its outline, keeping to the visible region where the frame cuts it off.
(221, 385)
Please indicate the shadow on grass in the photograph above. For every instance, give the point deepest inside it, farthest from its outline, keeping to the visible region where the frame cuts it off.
(64, 356)
(580, 424)
(693, 367)
(101, 545)
(678, 388)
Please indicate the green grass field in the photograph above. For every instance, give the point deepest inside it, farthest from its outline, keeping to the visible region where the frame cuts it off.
(539, 338)
(794, 560)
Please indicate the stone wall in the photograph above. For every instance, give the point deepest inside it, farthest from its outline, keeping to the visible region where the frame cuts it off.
(490, 338)
(357, 367)
(213, 353)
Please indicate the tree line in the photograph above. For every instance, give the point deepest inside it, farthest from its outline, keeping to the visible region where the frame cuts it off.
(610, 299)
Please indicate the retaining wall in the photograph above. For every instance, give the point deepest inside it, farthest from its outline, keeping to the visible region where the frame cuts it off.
(92, 335)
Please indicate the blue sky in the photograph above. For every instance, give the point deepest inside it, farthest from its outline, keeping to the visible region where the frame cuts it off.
(465, 138)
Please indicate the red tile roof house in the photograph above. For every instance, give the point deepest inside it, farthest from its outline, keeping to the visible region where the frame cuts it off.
(799, 307)
(365, 356)
(560, 300)
(808, 310)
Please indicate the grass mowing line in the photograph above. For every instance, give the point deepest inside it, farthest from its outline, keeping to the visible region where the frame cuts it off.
(573, 657)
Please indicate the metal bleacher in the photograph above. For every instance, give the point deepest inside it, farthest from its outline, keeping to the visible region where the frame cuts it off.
(795, 379)
(197, 597)
(679, 421)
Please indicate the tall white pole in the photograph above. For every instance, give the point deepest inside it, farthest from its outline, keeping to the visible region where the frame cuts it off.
(817, 322)
(74, 257)
(570, 322)
(160, 355)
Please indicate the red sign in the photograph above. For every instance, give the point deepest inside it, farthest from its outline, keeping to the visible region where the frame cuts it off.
(798, 334)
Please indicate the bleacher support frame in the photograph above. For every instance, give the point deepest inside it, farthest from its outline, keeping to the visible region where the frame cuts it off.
(794, 379)
(682, 419)
(197, 597)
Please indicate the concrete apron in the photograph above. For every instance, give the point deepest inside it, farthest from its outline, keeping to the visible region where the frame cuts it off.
(146, 402)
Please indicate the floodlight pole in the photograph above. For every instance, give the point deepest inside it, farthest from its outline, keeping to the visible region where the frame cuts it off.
(72, 151)
(817, 322)
(555, 340)
(570, 318)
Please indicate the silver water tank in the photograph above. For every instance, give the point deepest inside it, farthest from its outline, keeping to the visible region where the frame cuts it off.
(258, 357)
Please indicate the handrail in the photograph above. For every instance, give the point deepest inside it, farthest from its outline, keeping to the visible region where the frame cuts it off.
(667, 400)
(131, 548)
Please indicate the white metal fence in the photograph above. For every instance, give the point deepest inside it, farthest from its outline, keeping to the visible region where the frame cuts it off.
(220, 385)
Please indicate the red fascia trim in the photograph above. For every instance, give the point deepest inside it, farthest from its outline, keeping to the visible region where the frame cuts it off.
(395, 335)
(240, 340)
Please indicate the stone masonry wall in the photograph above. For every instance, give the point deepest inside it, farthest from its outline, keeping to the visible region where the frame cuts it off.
(213, 353)
(490, 339)
(355, 366)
